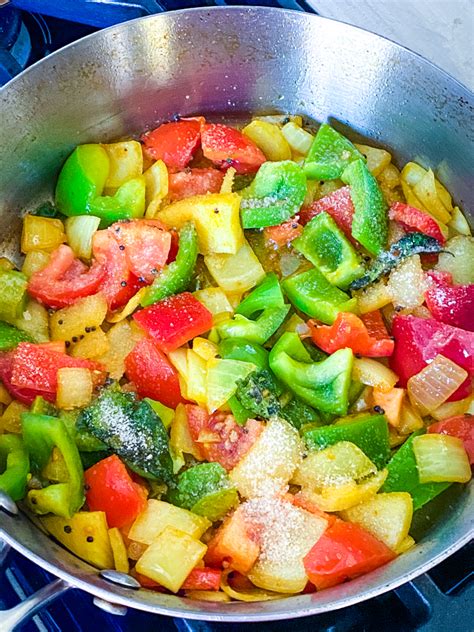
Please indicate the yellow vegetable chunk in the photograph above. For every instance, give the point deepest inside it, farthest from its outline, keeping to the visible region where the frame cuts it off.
(35, 261)
(373, 373)
(205, 348)
(458, 224)
(207, 595)
(119, 550)
(128, 309)
(386, 516)
(74, 388)
(407, 544)
(457, 259)
(156, 187)
(34, 321)
(80, 230)
(410, 419)
(407, 283)
(238, 272)
(298, 139)
(441, 458)
(10, 421)
(85, 534)
(391, 402)
(41, 233)
(4, 395)
(287, 533)
(158, 515)
(121, 337)
(271, 462)
(451, 409)
(216, 217)
(427, 191)
(74, 321)
(197, 377)
(374, 297)
(216, 301)
(377, 159)
(125, 160)
(221, 380)
(269, 138)
(170, 558)
(180, 437)
(93, 345)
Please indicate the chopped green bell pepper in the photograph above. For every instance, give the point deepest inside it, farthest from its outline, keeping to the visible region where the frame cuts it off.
(325, 245)
(258, 394)
(368, 432)
(10, 336)
(41, 434)
(323, 385)
(312, 293)
(206, 490)
(164, 413)
(244, 350)
(299, 414)
(176, 276)
(276, 194)
(81, 183)
(266, 303)
(403, 476)
(329, 154)
(85, 441)
(14, 466)
(12, 295)
(370, 220)
(41, 407)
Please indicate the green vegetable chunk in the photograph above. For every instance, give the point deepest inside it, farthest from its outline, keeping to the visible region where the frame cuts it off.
(131, 429)
(312, 293)
(12, 295)
(368, 432)
(258, 394)
(14, 466)
(206, 490)
(329, 154)
(276, 194)
(370, 221)
(403, 476)
(299, 414)
(325, 245)
(323, 385)
(10, 337)
(42, 433)
(176, 276)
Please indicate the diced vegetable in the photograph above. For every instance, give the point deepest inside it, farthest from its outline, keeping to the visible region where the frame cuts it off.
(269, 138)
(236, 273)
(80, 230)
(459, 224)
(74, 387)
(222, 380)
(41, 233)
(377, 159)
(329, 154)
(12, 295)
(119, 551)
(435, 383)
(14, 466)
(159, 515)
(448, 303)
(461, 426)
(373, 373)
(297, 138)
(407, 283)
(228, 147)
(70, 323)
(456, 259)
(125, 162)
(35, 260)
(391, 402)
(441, 458)
(215, 300)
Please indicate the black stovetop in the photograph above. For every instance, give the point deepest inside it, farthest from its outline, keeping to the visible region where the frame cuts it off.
(441, 600)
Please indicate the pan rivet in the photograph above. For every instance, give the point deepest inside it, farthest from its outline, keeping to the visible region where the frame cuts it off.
(122, 579)
(7, 504)
(112, 608)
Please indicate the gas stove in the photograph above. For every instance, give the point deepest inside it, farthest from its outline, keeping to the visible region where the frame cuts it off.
(439, 600)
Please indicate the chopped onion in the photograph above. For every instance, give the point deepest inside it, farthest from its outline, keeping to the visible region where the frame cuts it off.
(79, 230)
(374, 373)
(441, 458)
(434, 384)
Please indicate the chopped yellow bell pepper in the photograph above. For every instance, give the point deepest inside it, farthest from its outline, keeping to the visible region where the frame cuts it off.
(269, 138)
(125, 162)
(41, 233)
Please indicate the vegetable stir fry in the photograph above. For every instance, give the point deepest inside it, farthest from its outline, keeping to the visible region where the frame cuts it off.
(235, 362)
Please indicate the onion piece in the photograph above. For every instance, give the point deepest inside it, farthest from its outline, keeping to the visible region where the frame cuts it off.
(441, 458)
(373, 373)
(434, 384)
(246, 594)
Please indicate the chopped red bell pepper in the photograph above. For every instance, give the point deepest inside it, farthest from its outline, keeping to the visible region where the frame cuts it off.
(110, 488)
(36, 367)
(119, 284)
(145, 244)
(366, 336)
(219, 437)
(64, 279)
(420, 340)
(203, 579)
(153, 374)
(449, 303)
(184, 184)
(338, 205)
(283, 234)
(175, 320)
(175, 143)
(23, 395)
(460, 426)
(227, 147)
(344, 551)
(414, 220)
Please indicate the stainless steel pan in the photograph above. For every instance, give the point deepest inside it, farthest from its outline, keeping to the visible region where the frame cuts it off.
(228, 61)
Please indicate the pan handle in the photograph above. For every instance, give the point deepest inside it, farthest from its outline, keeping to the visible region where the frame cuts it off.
(10, 619)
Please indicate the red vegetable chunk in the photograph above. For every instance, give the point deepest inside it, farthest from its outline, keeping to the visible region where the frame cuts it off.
(175, 143)
(65, 279)
(110, 488)
(175, 320)
(414, 220)
(203, 579)
(448, 303)
(344, 551)
(36, 367)
(283, 234)
(338, 205)
(420, 340)
(227, 147)
(153, 374)
(184, 184)
(23, 395)
(460, 426)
